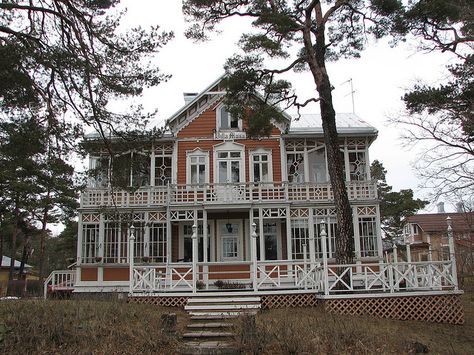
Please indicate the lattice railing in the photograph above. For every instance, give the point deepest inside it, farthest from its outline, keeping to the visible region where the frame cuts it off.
(222, 193)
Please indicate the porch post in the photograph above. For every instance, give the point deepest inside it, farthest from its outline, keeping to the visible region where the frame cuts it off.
(312, 248)
(408, 247)
(195, 256)
(394, 252)
(205, 245)
(253, 252)
(262, 238)
(131, 252)
(323, 237)
(452, 253)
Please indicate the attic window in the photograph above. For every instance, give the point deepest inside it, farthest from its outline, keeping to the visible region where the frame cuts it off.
(226, 120)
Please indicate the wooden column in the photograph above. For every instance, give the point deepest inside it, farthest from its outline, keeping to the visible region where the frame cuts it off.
(452, 253)
(205, 244)
(253, 254)
(194, 238)
(131, 252)
(323, 237)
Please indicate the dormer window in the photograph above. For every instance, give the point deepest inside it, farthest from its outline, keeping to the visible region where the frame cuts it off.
(226, 121)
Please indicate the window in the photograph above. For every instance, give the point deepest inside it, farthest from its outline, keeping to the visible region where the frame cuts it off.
(131, 169)
(162, 170)
(98, 171)
(188, 242)
(261, 166)
(357, 166)
(270, 235)
(295, 167)
(225, 120)
(331, 230)
(197, 167)
(317, 165)
(368, 236)
(299, 238)
(229, 163)
(157, 244)
(415, 229)
(90, 242)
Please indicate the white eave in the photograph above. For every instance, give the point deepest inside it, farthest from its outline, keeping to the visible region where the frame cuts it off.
(346, 123)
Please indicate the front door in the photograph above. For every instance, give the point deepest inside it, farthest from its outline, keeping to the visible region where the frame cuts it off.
(230, 237)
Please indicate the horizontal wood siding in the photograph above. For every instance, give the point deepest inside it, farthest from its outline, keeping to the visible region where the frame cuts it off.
(116, 274)
(202, 126)
(250, 144)
(89, 274)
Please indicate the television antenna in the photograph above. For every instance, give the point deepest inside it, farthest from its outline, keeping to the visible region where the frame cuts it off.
(350, 93)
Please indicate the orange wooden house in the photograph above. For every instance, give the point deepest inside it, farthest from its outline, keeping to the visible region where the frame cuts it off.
(209, 209)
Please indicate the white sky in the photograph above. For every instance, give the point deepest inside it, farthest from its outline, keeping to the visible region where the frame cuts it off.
(380, 78)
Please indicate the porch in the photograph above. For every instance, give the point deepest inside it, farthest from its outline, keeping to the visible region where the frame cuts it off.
(297, 276)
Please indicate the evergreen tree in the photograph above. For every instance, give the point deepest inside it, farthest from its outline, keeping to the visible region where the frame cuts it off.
(304, 35)
(442, 116)
(74, 55)
(394, 206)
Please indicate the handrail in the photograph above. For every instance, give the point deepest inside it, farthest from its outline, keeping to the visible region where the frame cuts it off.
(224, 193)
(300, 274)
(60, 280)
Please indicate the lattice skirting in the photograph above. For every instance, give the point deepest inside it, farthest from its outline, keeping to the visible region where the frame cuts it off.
(436, 309)
(171, 301)
(287, 301)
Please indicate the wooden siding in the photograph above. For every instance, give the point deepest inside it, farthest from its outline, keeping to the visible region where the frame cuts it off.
(202, 126)
(208, 145)
(116, 274)
(89, 274)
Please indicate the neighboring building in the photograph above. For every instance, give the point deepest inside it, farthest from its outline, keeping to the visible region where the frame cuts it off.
(5, 270)
(427, 235)
(206, 171)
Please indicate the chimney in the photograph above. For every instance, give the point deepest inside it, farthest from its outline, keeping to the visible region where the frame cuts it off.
(440, 206)
(460, 207)
(189, 96)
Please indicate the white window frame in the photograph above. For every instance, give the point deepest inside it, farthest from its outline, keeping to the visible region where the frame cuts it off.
(197, 153)
(261, 151)
(218, 120)
(210, 232)
(229, 147)
(240, 240)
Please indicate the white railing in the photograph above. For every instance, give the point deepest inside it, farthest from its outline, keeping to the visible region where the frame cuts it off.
(59, 280)
(390, 277)
(224, 193)
(296, 274)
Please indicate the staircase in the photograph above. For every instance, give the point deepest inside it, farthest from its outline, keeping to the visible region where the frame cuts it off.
(211, 330)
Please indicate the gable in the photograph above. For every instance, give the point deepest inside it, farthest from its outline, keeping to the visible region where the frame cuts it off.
(205, 101)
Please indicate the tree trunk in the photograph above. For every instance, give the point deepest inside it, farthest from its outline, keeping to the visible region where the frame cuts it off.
(317, 63)
(42, 245)
(11, 284)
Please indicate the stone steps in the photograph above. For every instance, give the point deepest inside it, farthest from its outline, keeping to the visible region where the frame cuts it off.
(211, 330)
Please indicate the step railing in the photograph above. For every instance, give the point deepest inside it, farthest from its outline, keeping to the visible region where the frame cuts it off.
(59, 280)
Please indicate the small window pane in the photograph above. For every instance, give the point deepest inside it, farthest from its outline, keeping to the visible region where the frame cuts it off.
(224, 122)
(235, 154)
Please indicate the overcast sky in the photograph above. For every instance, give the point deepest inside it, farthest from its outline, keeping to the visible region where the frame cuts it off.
(380, 77)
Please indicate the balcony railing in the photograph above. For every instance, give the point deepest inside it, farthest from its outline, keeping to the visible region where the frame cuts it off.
(177, 194)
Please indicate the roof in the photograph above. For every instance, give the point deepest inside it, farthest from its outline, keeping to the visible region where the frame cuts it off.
(436, 222)
(348, 123)
(7, 260)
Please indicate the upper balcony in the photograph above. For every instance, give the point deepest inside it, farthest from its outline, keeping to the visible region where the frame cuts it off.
(216, 194)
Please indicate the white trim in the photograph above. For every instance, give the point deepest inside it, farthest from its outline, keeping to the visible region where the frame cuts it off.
(218, 109)
(229, 146)
(197, 152)
(240, 240)
(261, 151)
(210, 232)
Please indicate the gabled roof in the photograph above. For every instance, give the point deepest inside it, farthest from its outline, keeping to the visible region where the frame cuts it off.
(436, 222)
(347, 123)
(7, 260)
(193, 108)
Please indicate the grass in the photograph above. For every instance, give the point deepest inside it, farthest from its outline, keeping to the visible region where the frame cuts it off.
(312, 331)
(107, 327)
(83, 327)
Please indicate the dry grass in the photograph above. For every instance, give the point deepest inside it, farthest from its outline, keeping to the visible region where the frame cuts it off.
(82, 327)
(312, 331)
